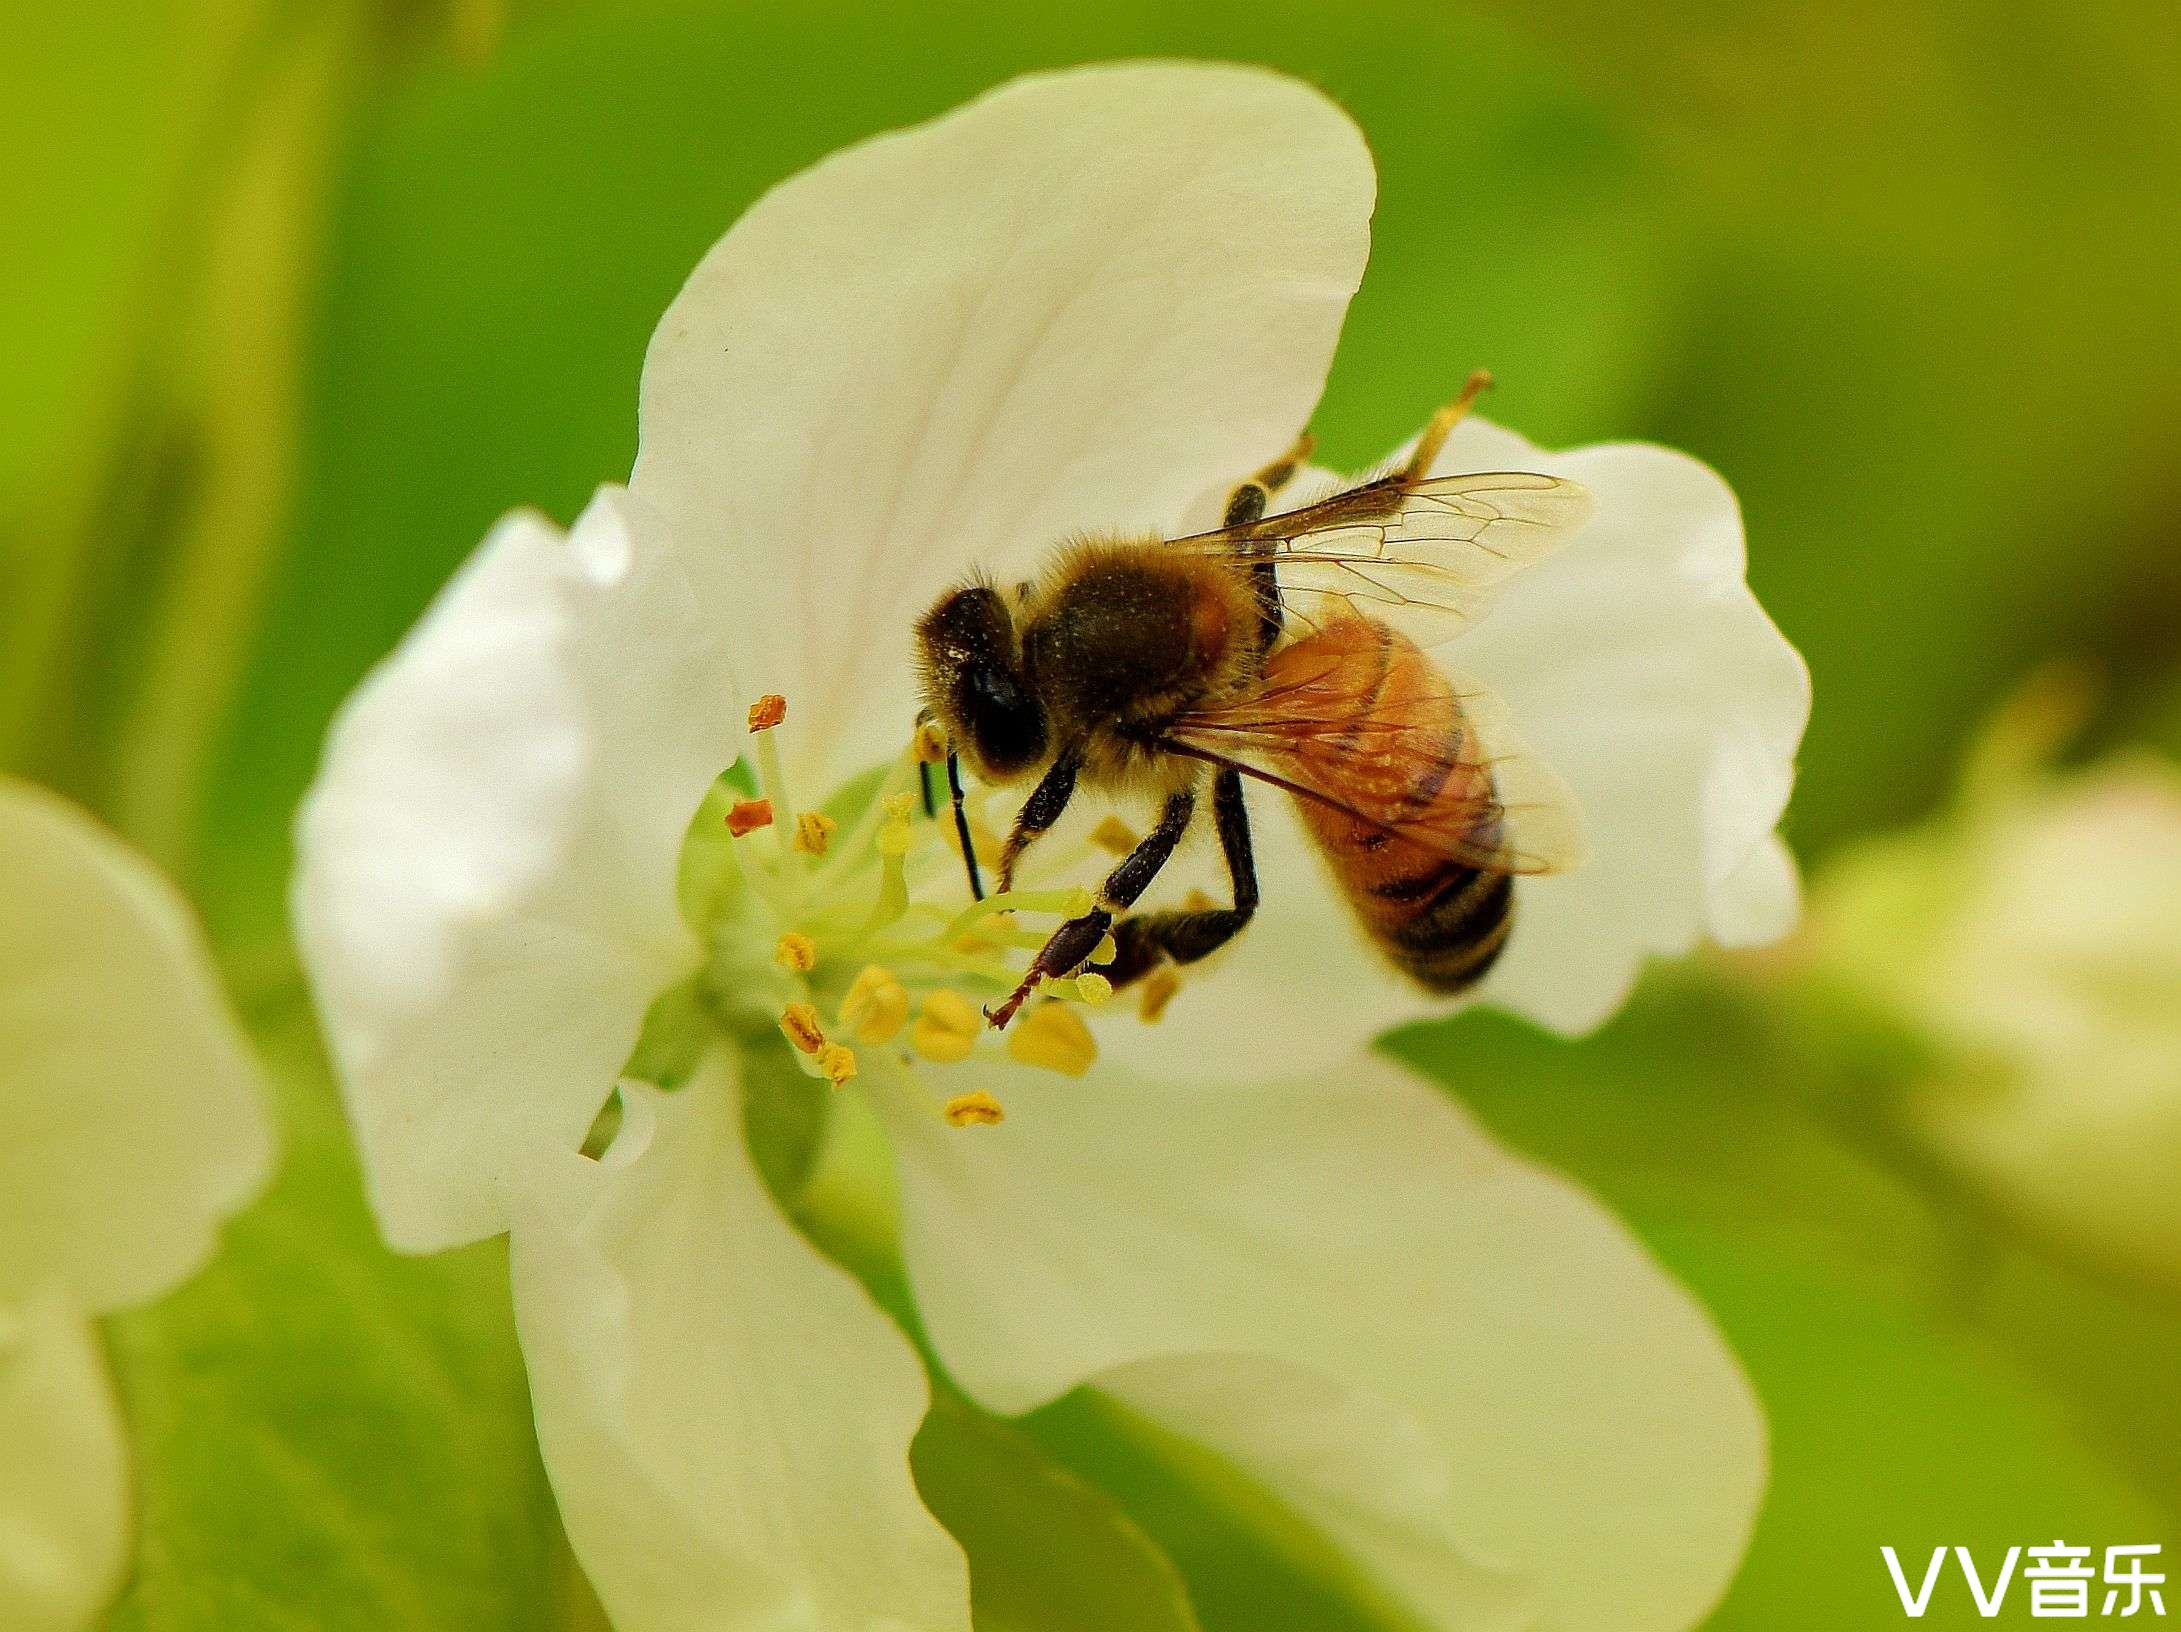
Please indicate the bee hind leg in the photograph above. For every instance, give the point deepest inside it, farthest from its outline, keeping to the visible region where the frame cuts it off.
(1441, 426)
(1248, 500)
(1184, 936)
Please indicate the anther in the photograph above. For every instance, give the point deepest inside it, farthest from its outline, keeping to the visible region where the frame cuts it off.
(876, 1006)
(1115, 835)
(1107, 950)
(748, 815)
(838, 1062)
(814, 830)
(1092, 987)
(799, 1021)
(796, 952)
(930, 742)
(974, 1109)
(768, 711)
(1052, 1037)
(947, 1028)
(1158, 990)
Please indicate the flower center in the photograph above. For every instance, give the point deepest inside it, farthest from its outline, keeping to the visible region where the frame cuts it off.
(849, 929)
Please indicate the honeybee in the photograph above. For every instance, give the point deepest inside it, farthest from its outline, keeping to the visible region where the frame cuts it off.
(1257, 653)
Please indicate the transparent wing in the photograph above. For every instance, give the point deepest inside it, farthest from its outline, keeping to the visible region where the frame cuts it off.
(1493, 804)
(1425, 555)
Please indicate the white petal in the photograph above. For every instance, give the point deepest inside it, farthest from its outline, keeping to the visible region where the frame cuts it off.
(129, 1093)
(63, 1472)
(725, 1414)
(485, 893)
(1073, 304)
(1639, 667)
(1506, 1384)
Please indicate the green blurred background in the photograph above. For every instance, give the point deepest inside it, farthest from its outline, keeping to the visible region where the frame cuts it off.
(298, 298)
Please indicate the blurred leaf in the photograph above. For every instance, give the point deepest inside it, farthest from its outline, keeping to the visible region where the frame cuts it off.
(328, 1438)
(1856, 1287)
(1047, 1552)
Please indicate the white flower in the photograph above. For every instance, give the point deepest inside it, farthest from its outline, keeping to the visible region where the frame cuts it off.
(134, 1128)
(1082, 302)
(2033, 939)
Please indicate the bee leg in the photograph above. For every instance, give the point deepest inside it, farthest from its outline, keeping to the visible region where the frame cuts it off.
(1247, 502)
(1245, 505)
(1072, 944)
(961, 826)
(1043, 808)
(1441, 427)
(1185, 936)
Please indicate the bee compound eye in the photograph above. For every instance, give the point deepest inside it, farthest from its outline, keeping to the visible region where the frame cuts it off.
(1005, 721)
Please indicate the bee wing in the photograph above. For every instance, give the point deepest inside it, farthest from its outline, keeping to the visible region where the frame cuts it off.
(1501, 807)
(1423, 555)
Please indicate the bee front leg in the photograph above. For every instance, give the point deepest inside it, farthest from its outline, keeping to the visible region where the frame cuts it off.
(1072, 944)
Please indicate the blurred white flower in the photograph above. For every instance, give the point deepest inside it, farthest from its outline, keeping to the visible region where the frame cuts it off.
(2033, 938)
(1081, 302)
(134, 1127)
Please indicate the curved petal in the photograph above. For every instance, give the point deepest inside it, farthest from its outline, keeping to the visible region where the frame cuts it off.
(1639, 667)
(1073, 304)
(64, 1499)
(1467, 1372)
(130, 1094)
(725, 1414)
(485, 891)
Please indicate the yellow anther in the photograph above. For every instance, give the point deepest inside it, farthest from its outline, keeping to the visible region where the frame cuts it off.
(768, 711)
(800, 1023)
(947, 1028)
(838, 1062)
(901, 806)
(1106, 950)
(1079, 901)
(1052, 1037)
(930, 742)
(748, 815)
(1092, 987)
(974, 1109)
(814, 830)
(1115, 835)
(1158, 990)
(877, 1004)
(796, 952)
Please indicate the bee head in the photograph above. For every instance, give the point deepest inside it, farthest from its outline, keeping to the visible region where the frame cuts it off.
(976, 683)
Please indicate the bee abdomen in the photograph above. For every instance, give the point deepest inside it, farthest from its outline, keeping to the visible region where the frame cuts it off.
(1453, 922)
(1401, 765)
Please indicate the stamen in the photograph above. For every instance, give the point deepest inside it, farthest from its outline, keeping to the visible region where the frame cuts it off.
(814, 832)
(877, 1004)
(930, 742)
(1106, 950)
(974, 1109)
(1115, 835)
(796, 952)
(748, 815)
(1158, 990)
(947, 1028)
(838, 1062)
(1092, 987)
(768, 711)
(1052, 1037)
(799, 1021)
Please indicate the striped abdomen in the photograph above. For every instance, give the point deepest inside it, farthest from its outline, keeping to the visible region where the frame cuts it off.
(1378, 727)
